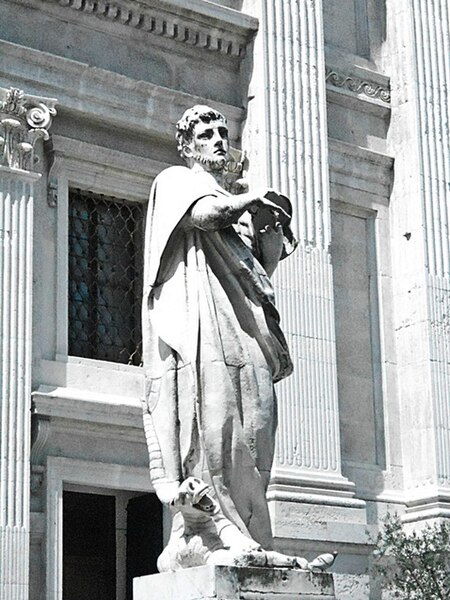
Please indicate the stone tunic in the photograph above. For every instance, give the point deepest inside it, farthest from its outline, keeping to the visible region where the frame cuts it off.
(212, 351)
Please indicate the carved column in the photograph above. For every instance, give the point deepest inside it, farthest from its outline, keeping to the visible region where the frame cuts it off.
(420, 207)
(432, 23)
(23, 121)
(286, 134)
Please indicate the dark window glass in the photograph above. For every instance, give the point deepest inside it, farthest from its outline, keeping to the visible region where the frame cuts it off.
(105, 277)
(144, 537)
(89, 546)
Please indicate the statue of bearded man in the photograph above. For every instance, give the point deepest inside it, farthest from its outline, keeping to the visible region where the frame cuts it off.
(213, 349)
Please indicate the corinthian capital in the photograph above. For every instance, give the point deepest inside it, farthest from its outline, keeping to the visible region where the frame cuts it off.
(24, 119)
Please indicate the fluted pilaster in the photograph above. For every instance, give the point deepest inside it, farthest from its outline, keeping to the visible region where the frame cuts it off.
(290, 105)
(432, 64)
(296, 107)
(23, 120)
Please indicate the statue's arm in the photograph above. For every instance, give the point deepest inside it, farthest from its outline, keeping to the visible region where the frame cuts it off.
(213, 212)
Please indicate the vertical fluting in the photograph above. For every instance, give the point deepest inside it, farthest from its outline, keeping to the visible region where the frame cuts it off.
(296, 108)
(15, 319)
(432, 66)
(298, 166)
(433, 79)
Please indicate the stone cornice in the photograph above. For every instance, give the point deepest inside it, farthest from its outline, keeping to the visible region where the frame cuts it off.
(203, 25)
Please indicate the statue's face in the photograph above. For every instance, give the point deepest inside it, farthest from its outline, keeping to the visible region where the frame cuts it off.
(209, 144)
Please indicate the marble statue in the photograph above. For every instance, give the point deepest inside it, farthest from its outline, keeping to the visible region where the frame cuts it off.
(213, 349)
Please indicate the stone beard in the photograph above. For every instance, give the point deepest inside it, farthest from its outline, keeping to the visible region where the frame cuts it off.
(213, 349)
(213, 165)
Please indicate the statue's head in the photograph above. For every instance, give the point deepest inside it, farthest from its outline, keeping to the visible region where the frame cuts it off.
(202, 136)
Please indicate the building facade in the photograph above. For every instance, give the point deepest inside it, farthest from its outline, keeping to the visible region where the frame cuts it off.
(343, 107)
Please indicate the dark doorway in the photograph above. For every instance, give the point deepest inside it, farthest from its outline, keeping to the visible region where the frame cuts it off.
(89, 546)
(144, 537)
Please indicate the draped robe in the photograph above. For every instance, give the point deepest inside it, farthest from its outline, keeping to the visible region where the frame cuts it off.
(213, 349)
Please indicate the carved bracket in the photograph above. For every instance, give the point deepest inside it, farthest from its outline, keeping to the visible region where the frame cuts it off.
(358, 86)
(23, 120)
(40, 430)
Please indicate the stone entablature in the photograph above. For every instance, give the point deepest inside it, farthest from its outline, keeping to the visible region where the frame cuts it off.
(151, 109)
(24, 119)
(203, 24)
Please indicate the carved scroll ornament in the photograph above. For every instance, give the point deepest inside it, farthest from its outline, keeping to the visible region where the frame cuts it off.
(358, 86)
(23, 121)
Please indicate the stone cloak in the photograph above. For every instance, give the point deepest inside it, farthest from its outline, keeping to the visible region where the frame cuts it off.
(212, 351)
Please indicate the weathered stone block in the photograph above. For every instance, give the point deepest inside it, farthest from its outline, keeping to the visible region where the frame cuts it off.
(235, 583)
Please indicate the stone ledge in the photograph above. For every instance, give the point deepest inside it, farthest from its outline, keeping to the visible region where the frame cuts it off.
(361, 169)
(88, 406)
(235, 583)
(95, 93)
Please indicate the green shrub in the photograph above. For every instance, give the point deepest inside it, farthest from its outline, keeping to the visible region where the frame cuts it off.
(414, 566)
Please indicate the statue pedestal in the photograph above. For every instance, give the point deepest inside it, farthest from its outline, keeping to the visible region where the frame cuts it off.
(235, 583)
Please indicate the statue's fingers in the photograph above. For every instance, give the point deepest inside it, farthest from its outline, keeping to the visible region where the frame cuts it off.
(275, 209)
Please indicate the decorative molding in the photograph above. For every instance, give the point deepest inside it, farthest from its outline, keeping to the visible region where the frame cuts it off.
(23, 121)
(37, 479)
(212, 28)
(358, 86)
(52, 192)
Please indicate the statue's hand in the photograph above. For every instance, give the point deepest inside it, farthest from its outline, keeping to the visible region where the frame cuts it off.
(194, 492)
(270, 207)
(266, 200)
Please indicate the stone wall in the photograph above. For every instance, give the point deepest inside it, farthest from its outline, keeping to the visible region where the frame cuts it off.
(327, 98)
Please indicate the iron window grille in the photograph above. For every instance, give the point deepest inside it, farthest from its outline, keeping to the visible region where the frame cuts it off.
(105, 277)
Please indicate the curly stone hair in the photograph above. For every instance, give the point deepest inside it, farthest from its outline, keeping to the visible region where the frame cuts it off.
(192, 116)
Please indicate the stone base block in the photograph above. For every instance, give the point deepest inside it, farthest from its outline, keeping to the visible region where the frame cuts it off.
(235, 583)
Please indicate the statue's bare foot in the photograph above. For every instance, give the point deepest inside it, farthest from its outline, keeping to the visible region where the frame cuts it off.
(252, 558)
(277, 559)
(270, 558)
